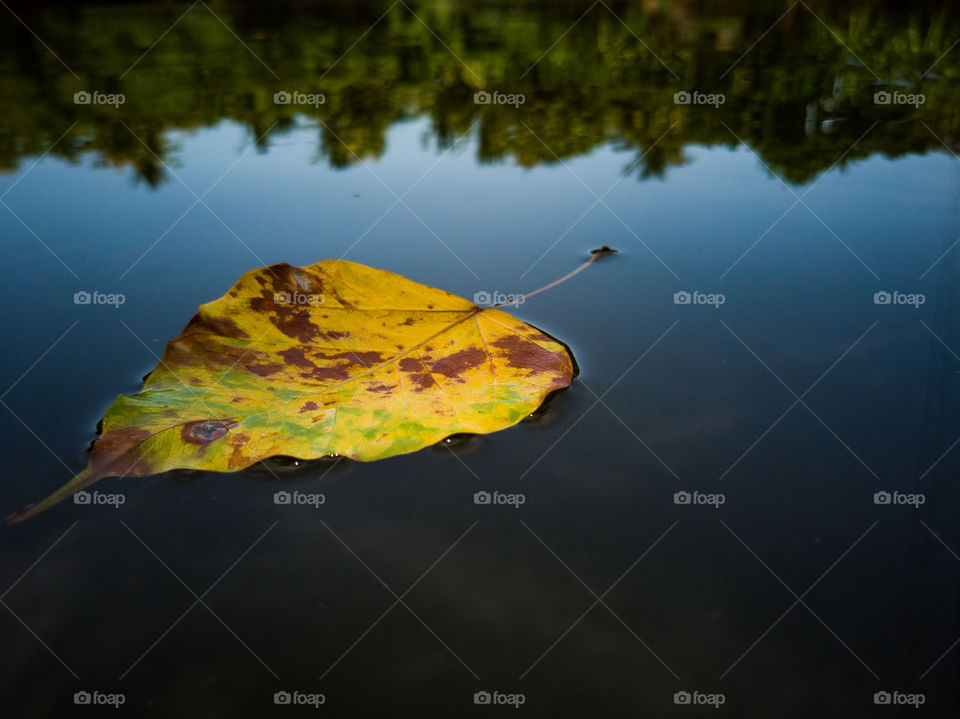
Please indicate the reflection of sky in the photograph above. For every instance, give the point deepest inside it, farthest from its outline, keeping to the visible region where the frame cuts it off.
(799, 300)
(286, 208)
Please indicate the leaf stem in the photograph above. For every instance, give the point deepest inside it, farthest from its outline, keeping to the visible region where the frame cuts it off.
(593, 256)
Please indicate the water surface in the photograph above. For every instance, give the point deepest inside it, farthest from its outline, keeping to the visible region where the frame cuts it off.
(798, 398)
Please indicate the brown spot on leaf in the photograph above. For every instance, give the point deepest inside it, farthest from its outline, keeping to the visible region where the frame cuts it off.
(324, 374)
(276, 271)
(416, 373)
(295, 322)
(262, 304)
(523, 354)
(382, 388)
(216, 360)
(226, 327)
(364, 358)
(455, 364)
(205, 323)
(423, 381)
(262, 370)
(297, 357)
(409, 364)
(540, 337)
(203, 432)
(308, 407)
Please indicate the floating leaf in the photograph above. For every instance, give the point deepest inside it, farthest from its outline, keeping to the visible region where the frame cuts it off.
(331, 359)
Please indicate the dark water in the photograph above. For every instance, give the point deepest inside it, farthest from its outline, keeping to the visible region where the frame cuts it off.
(797, 399)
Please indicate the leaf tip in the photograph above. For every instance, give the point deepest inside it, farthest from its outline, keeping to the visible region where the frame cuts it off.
(18, 516)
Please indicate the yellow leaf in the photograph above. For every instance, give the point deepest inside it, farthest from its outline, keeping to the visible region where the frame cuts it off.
(331, 359)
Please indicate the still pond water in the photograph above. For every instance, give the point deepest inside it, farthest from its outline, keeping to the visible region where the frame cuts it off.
(808, 170)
